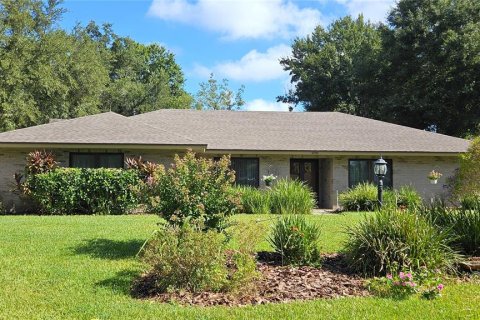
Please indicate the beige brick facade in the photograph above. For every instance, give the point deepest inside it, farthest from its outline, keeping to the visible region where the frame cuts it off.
(333, 171)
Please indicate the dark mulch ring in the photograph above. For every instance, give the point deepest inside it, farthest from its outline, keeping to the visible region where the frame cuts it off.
(277, 284)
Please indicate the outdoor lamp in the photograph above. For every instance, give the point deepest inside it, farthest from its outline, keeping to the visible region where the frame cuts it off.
(380, 170)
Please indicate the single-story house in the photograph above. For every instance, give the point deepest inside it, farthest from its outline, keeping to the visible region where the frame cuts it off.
(330, 151)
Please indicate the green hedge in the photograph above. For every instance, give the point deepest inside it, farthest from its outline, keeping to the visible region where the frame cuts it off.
(84, 191)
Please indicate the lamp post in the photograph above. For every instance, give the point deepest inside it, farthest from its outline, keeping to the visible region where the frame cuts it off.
(380, 170)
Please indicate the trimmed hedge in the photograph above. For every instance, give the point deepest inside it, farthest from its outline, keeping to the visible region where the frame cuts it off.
(84, 191)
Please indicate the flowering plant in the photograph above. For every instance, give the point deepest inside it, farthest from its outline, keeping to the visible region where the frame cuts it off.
(269, 179)
(434, 175)
(407, 283)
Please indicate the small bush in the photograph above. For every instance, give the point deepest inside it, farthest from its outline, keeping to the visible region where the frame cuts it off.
(291, 197)
(408, 197)
(393, 239)
(253, 200)
(198, 189)
(470, 202)
(83, 191)
(296, 240)
(188, 258)
(364, 197)
(462, 223)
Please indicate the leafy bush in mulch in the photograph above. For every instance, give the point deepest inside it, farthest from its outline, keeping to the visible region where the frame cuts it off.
(196, 188)
(392, 240)
(275, 284)
(296, 240)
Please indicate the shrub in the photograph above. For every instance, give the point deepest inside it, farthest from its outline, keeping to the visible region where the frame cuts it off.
(408, 197)
(462, 223)
(198, 189)
(364, 197)
(392, 240)
(253, 200)
(467, 179)
(188, 258)
(84, 191)
(470, 202)
(40, 162)
(296, 240)
(291, 197)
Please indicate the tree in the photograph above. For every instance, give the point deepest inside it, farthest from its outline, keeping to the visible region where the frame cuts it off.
(44, 73)
(332, 69)
(466, 182)
(421, 70)
(218, 96)
(143, 78)
(47, 72)
(433, 74)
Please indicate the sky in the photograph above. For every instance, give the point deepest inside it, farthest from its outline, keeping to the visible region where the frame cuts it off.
(240, 40)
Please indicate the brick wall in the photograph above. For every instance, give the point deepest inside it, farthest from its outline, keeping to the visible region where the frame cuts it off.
(333, 176)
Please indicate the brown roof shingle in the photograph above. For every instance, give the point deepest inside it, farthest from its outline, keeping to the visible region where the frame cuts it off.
(104, 128)
(240, 130)
(299, 131)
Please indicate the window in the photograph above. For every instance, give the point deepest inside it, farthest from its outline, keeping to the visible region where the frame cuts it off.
(361, 170)
(246, 171)
(96, 160)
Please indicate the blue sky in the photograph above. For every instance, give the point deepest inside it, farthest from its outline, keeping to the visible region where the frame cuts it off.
(240, 40)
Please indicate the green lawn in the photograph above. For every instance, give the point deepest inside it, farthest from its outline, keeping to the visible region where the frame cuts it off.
(80, 267)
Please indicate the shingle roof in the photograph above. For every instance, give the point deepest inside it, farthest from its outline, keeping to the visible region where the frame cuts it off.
(299, 131)
(103, 128)
(237, 130)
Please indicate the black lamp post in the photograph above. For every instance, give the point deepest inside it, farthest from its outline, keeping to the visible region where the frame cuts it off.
(380, 170)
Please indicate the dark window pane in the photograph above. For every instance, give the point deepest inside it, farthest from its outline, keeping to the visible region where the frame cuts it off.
(246, 171)
(96, 160)
(361, 170)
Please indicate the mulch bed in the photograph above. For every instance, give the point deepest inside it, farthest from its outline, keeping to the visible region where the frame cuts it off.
(277, 284)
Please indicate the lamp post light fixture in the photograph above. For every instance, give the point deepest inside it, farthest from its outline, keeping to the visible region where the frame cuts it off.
(380, 170)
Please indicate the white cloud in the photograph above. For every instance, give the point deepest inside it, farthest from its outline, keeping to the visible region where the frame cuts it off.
(254, 66)
(237, 19)
(375, 10)
(264, 105)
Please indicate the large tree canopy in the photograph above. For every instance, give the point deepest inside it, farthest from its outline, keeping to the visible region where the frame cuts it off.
(47, 72)
(422, 69)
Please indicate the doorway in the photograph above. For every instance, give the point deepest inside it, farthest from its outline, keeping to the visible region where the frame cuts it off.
(306, 170)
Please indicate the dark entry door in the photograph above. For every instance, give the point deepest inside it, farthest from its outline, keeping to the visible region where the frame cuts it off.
(305, 170)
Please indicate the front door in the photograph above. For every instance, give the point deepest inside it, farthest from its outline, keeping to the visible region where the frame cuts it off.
(305, 170)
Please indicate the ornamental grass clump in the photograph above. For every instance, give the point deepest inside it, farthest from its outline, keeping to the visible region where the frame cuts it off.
(398, 239)
(462, 223)
(253, 200)
(364, 197)
(291, 197)
(296, 240)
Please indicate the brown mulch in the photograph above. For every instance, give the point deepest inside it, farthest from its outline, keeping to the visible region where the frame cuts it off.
(277, 284)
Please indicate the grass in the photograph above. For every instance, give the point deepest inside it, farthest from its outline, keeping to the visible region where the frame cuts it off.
(81, 267)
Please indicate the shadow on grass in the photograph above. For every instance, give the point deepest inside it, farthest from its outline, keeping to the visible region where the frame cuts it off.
(109, 249)
(120, 283)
